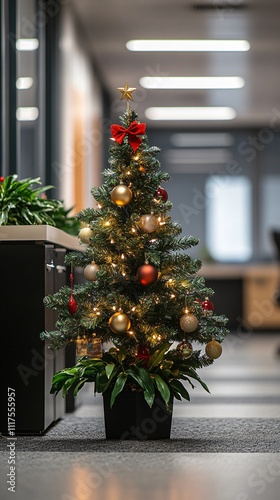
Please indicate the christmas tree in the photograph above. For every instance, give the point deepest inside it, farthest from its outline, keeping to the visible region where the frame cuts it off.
(143, 305)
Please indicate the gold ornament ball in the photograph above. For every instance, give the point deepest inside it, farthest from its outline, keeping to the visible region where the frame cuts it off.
(90, 271)
(121, 195)
(189, 322)
(213, 349)
(148, 223)
(85, 234)
(184, 349)
(119, 322)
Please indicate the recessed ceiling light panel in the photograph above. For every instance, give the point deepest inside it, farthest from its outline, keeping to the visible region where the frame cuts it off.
(188, 45)
(27, 44)
(192, 82)
(190, 113)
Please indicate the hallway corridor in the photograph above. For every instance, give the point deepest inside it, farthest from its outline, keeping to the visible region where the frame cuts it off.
(224, 446)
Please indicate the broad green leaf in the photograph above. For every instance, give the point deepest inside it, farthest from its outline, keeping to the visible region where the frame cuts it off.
(108, 369)
(179, 388)
(142, 378)
(162, 388)
(118, 387)
(78, 387)
(68, 384)
(192, 373)
(158, 356)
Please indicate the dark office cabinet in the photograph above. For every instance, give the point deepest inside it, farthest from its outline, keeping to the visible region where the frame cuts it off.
(29, 271)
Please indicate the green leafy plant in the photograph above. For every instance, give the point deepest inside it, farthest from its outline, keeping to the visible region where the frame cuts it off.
(116, 370)
(23, 204)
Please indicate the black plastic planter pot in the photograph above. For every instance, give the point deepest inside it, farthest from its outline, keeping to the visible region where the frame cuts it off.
(132, 418)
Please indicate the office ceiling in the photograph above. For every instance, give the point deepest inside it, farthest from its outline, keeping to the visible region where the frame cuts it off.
(107, 25)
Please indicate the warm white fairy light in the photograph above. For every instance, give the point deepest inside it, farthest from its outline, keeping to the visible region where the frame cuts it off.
(114, 265)
(136, 158)
(112, 241)
(133, 309)
(153, 240)
(128, 172)
(114, 308)
(133, 230)
(172, 296)
(124, 274)
(99, 205)
(186, 311)
(122, 256)
(107, 223)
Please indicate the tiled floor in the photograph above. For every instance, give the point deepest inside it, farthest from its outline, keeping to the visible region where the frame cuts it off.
(244, 383)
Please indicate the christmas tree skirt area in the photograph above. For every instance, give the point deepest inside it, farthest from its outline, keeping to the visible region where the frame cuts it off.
(188, 435)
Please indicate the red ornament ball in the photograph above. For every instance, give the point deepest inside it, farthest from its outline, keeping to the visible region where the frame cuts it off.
(2, 179)
(143, 353)
(147, 274)
(207, 305)
(72, 305)
(161, 193)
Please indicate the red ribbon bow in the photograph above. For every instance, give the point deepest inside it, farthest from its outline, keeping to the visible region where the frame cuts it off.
(132, 132)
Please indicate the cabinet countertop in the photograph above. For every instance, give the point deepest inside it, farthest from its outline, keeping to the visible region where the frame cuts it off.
(237, 271)
(40, 233)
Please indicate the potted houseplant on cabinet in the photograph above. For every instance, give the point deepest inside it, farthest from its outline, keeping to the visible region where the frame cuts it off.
(142, 305)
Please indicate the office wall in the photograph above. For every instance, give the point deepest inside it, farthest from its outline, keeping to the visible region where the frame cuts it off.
(79, 165)
(253, 154)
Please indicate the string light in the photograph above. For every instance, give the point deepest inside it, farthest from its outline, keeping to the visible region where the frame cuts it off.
(128, 172)
(114, 308)
(172, 296)
(136, 158)
(107, 223)
(133, 309)
(186, 311)
(99, 205)
(122, 256)
(133, 230)
(112, 241)
(114, 265)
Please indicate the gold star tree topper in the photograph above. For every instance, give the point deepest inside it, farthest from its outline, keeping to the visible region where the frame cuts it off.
(126, 92)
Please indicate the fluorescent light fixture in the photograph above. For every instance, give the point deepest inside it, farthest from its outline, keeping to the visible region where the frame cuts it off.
(192, 82)
(190, 113)
(27, 114)
(27, 44)
(24, 82)
(202, 139)
(188, 45)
